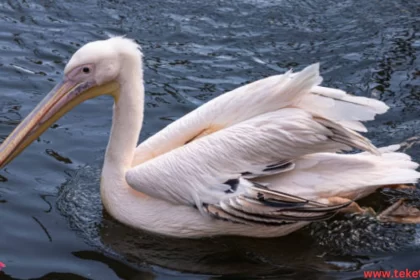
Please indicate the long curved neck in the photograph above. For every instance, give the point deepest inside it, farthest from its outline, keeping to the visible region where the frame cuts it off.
(127, 119)
(126, 125)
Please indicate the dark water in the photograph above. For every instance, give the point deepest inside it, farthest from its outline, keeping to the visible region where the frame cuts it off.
(52, 222)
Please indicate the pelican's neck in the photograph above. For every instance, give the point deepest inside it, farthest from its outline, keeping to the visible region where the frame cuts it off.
(127, 119)
(126, 125)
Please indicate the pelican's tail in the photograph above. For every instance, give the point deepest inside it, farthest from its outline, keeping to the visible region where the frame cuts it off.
(352, 176)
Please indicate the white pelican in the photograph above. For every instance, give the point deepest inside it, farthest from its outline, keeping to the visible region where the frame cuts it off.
(257, 161)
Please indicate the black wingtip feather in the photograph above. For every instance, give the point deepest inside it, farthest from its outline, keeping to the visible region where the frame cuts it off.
(233, 184)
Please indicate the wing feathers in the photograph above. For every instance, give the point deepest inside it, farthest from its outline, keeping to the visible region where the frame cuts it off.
(348, 137)
(375, 106)
(209, 169)
(270, 169)
(336, 105)
(262, 206)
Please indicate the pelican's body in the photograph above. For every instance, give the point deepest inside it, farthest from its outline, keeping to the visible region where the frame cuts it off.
(258, 161)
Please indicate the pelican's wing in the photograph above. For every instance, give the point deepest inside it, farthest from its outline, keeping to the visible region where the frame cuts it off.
(298, 90)
(214, 171)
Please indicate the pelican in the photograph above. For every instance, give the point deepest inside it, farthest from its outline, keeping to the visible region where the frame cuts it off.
(262, 160)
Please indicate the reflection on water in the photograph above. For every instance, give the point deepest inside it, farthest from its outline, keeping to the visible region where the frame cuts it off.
(53, 225)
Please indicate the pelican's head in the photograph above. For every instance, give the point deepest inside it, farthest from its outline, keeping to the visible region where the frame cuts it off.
(95, 69)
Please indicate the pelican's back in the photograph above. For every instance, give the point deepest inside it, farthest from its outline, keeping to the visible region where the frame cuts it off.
(299, 90)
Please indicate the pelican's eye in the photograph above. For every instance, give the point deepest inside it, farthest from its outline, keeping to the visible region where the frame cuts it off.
(86, 70)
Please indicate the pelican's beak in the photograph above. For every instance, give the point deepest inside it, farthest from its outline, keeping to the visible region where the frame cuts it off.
(62, 98)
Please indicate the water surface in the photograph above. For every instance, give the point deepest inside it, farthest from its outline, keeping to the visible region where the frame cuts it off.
(52, 222)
